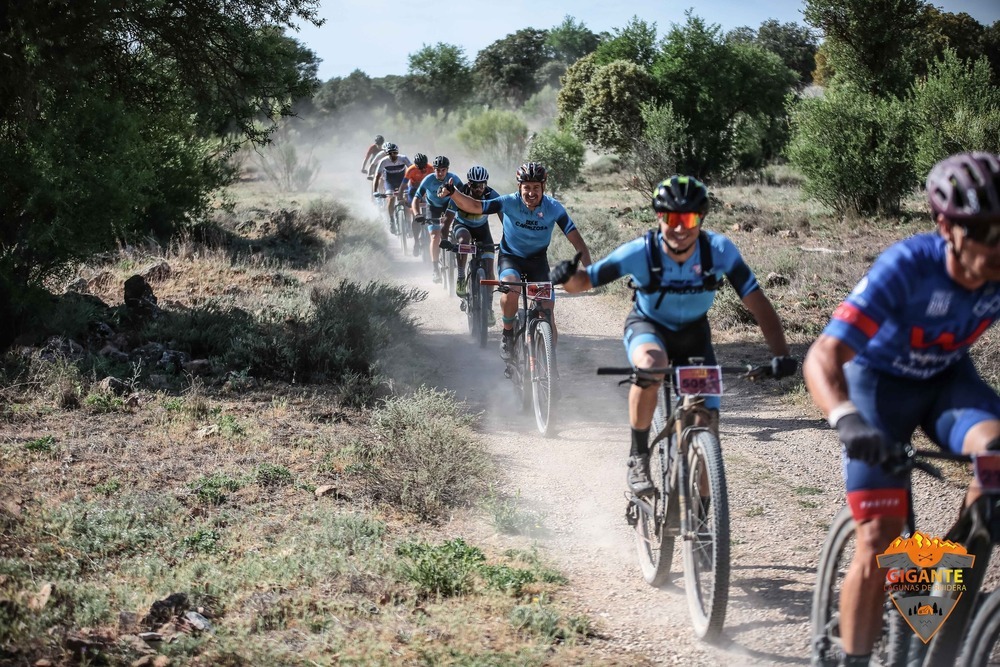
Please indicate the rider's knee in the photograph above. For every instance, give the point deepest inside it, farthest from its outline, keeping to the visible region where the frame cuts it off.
(875, 535)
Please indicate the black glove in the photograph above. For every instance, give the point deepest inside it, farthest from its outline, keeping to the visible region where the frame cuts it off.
(564, 270)
(861, 440)
(445, 244)
(446, 189)
(782, 367)
(419, 219)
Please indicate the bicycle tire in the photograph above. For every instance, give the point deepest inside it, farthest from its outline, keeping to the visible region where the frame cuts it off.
(543, 379)
(520, 373)
(483, 307)
(472, 302)
(654, 541)
(449, 272)
(890, 649)
(982, 641)
(707, 590)
(425, 244)
(402, 227)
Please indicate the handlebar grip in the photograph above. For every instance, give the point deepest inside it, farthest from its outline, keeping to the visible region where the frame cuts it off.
(489, 283)
(615, 370)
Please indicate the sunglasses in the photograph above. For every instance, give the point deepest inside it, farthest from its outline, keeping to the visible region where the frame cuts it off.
(686, 220)
(987, 234)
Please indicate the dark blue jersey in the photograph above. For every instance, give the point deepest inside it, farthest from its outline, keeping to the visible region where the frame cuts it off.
(908, 317)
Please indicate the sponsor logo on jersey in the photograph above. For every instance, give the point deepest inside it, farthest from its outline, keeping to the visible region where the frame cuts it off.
(939, 303)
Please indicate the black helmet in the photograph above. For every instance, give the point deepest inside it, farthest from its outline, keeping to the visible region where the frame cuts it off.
(531, 172)
(420, 160)
(478, 175)
(379, 139)
(441, 162)
(681, 194)
(966, 187)
(391, 148)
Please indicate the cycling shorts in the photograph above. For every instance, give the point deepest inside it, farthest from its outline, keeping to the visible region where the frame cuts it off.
(434, 213)
(480, 234)
(945, 407)
(535, 269)
(692, 340)
(409, 194)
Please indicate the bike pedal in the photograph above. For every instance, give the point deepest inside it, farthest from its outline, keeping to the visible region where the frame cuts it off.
(632, 514)
(462, 305)
(507, 372)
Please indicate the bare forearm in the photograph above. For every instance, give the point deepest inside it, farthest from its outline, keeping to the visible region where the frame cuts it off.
(767, 319)
(823, 370)
(466, 203)
(580, 245)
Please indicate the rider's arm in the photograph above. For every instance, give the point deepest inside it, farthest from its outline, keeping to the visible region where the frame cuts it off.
(417, 201)
(580, 245)
(464, 202)
(770, 325)
(823, 370)
(578, 283)
(446, 220)
(627, 259)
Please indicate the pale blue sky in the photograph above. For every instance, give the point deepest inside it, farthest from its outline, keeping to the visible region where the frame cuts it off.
(376, 36)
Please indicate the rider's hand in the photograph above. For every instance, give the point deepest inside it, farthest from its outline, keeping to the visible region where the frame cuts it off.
(445, 244)
(419, 219)
(564, 270)
(446, 190)
(862, 441)
(782, 367)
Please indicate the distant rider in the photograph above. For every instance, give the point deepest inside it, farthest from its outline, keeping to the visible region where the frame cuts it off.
(436, 207)
(373, 150)
(389, 174)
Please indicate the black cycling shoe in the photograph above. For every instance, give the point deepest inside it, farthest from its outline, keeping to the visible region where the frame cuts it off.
(638, 474)
(416, 248)
(507, 344)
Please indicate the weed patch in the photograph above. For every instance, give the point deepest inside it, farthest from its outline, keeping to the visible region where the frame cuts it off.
(214, 489)
(40, 445)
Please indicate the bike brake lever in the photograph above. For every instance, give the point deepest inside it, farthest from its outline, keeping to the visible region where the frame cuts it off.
(929, 468)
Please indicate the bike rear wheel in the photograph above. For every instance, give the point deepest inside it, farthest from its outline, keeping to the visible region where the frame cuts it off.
(706, 549)
(471, 304)
(982, 643)
(402, 227)
(483, 307)
(425, 247)
(543, 378)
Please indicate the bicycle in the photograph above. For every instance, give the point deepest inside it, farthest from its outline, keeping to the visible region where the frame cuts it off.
(531, 366)
(447, 267)
(397, 218)
(423, 239)
(477, 304)
(685, 461)
(970, 635)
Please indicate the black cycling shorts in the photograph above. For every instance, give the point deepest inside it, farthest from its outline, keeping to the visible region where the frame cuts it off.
(535, 269)
(480, 234)
(693, 340)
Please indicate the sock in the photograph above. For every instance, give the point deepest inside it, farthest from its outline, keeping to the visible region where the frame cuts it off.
(640, 442)
(461, 273)
(856, 660)
(508, 324)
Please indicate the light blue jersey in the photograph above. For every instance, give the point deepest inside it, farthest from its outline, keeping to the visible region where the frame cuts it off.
(428, 188)
(527, 233)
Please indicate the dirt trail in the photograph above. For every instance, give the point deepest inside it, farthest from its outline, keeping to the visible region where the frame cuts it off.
(783, 473)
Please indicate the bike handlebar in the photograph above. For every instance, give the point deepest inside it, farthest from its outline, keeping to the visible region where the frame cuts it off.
(380, 195)
(907, 458)
(748, 371)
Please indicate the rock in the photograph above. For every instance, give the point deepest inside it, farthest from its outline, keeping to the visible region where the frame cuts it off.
(206, 431)
(40, 599)
(173, 360)
(112, 385)
(325, 490)
(151, 637)
(197, 621)
(163, 610)
(42, 662)
(152, 660)
(57, 346)
(140, 302)
(78, 285)
(776, 280)
(113, 353)
(150, 352)
(156, 272)
(197, 366)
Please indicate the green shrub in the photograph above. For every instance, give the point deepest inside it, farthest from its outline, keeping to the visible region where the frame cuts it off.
(659, 149)
(214, 489)
(499, 136)
(328, 214)
(562, 154)
(506, 579)
(854, 150)
(270, 475)
(445, 570)
(43, 444)
(423, 455)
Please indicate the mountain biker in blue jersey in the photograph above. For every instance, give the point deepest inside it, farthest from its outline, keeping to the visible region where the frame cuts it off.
(673, 291)
(470, 227)
(436, 206)
(895, 356)
(529, 218)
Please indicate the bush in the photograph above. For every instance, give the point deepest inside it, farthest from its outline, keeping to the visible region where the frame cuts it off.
(445, 570)
(611, 114)
(656, 154)
(284, 165)
(855, 150)
(562, 153)
(499, 135)
(424, 457)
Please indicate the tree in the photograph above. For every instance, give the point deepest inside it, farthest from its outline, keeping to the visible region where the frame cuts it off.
(507, 69)
(659, 149)
(636, 43)
(794, 44)
(569, 41)
(439, 76)
(575, 82)
(562, 154)
(500, 135)
(944, 30)
(610, 117)
(872, 44)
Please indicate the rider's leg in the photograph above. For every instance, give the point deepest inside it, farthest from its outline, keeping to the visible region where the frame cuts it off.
(644, 351)
(462, 235)
(435, 250)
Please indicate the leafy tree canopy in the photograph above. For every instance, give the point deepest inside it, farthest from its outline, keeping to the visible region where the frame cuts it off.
(569, 41)
(508, 67)
(636, 43)
(796, 45)
(439, 76)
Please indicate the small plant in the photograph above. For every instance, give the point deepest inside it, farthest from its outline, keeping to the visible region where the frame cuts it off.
(755, 511)
(108, 487)
(445, 570)
(103, 402)
(807, 491)
(507, 517)
(43, 444)
(506, 579)
(214, 489)
(204, 541)
(229, 427)
(271, 475)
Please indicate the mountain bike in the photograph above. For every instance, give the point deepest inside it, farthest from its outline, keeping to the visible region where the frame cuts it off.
(447, 266)
(397, 218)
(970, 634)
(689, 499)
(423, 240)
(478, 303)
(532, 365)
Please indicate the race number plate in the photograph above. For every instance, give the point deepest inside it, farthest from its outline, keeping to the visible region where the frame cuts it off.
(987, 470)
(466, 249)
(699, 380)
(539, 291)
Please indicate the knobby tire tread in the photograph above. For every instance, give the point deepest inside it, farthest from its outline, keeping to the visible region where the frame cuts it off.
(543, 369)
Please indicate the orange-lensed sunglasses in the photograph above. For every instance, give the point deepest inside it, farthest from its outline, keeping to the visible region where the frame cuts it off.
(685, 220)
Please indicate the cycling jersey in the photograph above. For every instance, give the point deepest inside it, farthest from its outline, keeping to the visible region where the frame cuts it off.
(372, 150)
(683, 301)
(375, 160)
(428, 188)
(471, 219)
(527, 233)
(392, 171)
(907, 317)
(414, 175)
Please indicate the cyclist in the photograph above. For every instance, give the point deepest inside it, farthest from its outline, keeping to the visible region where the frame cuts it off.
(389, 174)
(675, 273)
(436, 205)
(412, 178)
(529, 217)
(374, 163)
(470, 227)
(376, 147)
(894, 356)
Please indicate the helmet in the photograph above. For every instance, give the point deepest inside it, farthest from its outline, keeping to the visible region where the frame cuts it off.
(391, 148)
(478, 175)
(531, 172)
(441, 162)
(966, 187)
(379, 139)
(681, 194)
(420, 160)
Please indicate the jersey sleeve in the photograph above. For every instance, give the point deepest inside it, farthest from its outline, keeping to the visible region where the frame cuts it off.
(628, 259)
(422, 188)
(878, 296)
(496, 205)
(564, 221)
(728, 259)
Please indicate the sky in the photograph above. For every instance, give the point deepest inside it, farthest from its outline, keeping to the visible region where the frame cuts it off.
(377, 36)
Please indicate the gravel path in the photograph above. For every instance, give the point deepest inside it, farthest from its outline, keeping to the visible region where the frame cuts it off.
(783, 470)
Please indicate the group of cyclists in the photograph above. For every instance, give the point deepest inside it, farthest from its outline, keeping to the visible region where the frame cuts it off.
(894, 356)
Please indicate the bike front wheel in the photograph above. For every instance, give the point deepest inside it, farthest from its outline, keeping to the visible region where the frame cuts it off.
(542, 378)
(483, 307)
(982, 641)
(706, 546)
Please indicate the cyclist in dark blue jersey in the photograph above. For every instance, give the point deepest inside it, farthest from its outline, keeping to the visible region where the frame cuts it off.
(436, 207)
(669, 322)
(895, 356)
(529, 218)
